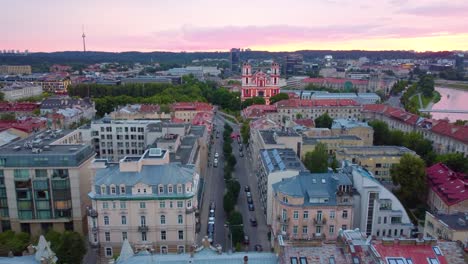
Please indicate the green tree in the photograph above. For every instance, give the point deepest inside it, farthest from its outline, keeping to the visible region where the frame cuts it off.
(228, 202)
(2, 97)
(455, 161)
(8, 117)
(317, 161)
(237, 231)
(245, 131)
(324, 121)
(298, 116)
(426, 85)
(234, 187)
(71, 249)
(381, 132)
(279, 97)
(410, 176)
(253, 101)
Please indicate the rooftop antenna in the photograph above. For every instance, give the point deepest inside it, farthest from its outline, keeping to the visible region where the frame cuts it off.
(83, 36)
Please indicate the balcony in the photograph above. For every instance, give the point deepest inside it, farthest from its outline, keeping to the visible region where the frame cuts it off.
(94, 229)
(92, 212)
(143, 228)
(320, 221)
(189, 210)
(283, 220)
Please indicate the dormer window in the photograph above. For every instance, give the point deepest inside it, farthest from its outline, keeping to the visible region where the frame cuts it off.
(113, 190)
(161, 189)
(179, 188)
(169, 189)
(103, 189)
(285, 199)
(144, 190)
(122, 189)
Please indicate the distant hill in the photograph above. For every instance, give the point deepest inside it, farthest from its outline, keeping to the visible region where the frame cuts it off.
(77, 57)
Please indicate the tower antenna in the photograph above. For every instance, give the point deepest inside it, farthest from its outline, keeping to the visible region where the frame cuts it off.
(84, 41)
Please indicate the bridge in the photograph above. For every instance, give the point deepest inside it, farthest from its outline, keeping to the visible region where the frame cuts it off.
(454, 111)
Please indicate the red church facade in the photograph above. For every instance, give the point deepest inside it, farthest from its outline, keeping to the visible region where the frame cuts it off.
(260, 84)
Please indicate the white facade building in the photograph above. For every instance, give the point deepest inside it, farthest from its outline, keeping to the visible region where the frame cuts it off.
(17, 91)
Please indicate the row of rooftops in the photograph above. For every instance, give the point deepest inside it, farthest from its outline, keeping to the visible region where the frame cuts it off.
(450, 186)
(322, 81)
(310, 103)
(440, 127)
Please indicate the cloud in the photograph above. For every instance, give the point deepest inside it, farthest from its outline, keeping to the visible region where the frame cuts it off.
(445, 9)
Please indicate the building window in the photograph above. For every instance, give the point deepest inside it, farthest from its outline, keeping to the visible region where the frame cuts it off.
(180, 204)
(122, 189)
(103, 189)
(143, 220)
(163, 235)
(171, 204)
(123, 205)
(163, 219)
(163, 248)
(344, 227)
(179, 188)
(285, 199)
(180, 249)
(105, 205)
(180, 219)
(107, 236)
(106, 220)
(331, 229)
(181, 235)
(114, 205)
(189, 203)
(379, 220)
(345, 214)
(124, 219)
(295, 230)
(109, 252)
(332, 214)
(378, 232)
(295, 214)
(306, 215)
(385, 220)
(143, 236)
(161, 189)
(142, 205)
(304, 230)
(169, 189)
(318, 229)
(285, 214)
(162, 204)
(124, 235)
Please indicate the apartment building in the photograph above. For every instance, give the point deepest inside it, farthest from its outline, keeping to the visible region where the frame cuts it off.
(377, 211)
(85, 107)
(292, 109)
(312, 206)
(115, 139)
(140, 111)
(186, 111)
(44, 181)
(448, 190)
(333, 143)
(17, 91)
(15, 69)
(451, 227)
(377, 159)
(274, 166)
(146, 200)
(353, 127)
(342, 84)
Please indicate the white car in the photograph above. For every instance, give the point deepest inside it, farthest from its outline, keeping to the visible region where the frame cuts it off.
(216, 155)
(211, 220)
(215, 163)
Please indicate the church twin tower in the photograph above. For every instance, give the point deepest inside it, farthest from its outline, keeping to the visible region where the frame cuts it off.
(260, 84)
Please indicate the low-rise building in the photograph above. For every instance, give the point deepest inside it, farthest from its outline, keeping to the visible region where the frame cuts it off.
(139, 111)
(274, 166)
(186, 111)
(448, 190)
(26, 125)
(333, 143)
(312, 206)
(17, 91)
(44, 183)
(453, 227)
(19, 109)
(53, 104)
(377, 211)
(15, 69)
(342, 84)
(146, 200)
(353, 127)
(377, 159)
(258, 111)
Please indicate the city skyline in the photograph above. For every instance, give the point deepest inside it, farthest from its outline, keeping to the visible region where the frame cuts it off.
(143, 25)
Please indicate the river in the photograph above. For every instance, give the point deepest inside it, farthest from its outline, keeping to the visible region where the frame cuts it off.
(451, 99)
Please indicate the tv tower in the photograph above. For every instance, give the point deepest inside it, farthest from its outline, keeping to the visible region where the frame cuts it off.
(84, 41)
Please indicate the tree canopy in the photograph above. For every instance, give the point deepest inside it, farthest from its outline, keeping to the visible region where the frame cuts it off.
(69, 247)
(324, 121)
(317, 161)
(410, 176)
(278, 97)
(253, 101)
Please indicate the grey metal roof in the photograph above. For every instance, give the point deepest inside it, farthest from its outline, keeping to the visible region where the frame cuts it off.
(456, 221)
(280, 160)
(313, 185)
(153, 175)
(347, 123)
(368, 151)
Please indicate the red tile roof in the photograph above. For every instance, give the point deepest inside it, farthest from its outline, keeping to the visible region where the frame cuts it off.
(305, 122)
(203, 118)
(443, 127)
(192, 106)
(18, 107)
(256, 111)
(28, 125)
(149, 108)
(297, 103)
(450, 186)
(335, 80)
(417, 253)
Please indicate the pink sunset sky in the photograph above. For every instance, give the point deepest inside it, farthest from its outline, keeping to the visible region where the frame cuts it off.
(211, 25)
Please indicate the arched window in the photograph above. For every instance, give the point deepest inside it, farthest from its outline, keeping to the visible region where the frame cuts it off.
(161, 189)
(113, 190)
(285, 199)
(169, 189)
(179, 188)
(103, 189)
(122, 189)
(163, 219)
(180, 219)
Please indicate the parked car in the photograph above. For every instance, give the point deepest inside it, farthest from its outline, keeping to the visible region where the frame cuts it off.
(247, 188)
(212, 205)
(215, 163)
(240, 147)
(258, 248)
(249, 194)
(251, 207)
(210, 237)
(211, 213)
(249, 200)
(216, 155)
(241, 154)
(210, 228)
(211, 220)
(253, 221)
(246, 240)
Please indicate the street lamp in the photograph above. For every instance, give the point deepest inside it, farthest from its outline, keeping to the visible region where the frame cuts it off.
(228, 226)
